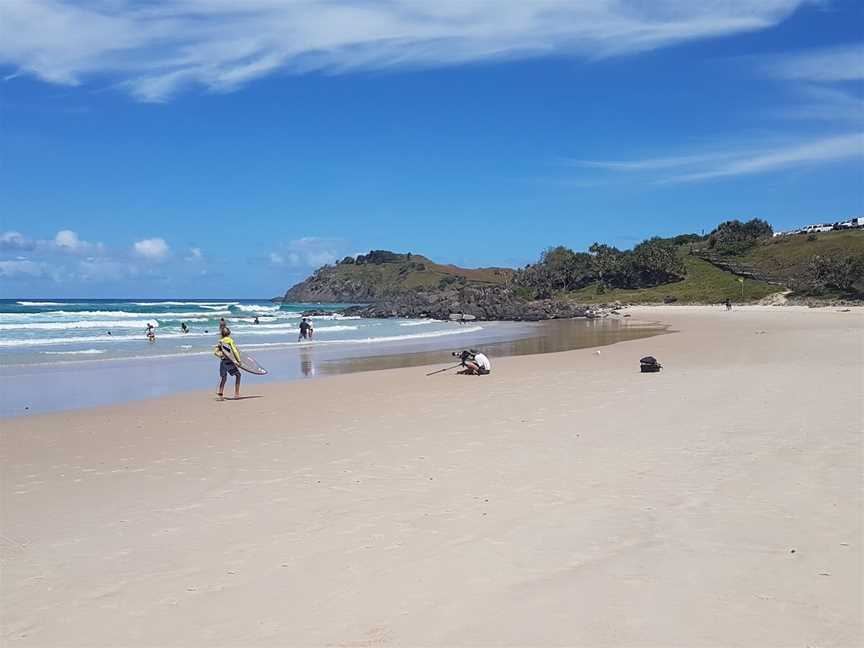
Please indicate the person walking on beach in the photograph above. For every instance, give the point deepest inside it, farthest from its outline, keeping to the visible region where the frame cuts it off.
(728, 304)
(229, 358)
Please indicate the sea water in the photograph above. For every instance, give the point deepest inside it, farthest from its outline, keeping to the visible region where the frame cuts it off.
(36, 332)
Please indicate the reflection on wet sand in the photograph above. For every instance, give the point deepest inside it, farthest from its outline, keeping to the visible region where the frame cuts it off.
(544, 337)
(307, 365)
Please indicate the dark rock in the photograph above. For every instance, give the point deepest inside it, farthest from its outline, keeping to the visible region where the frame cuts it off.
(317, 313)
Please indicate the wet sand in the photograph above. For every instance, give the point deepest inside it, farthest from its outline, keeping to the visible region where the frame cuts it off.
(564, 500)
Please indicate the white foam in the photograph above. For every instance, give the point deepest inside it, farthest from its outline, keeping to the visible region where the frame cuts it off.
(82, 352)
(53, 315)
(35, 303)
(333, 329)
(256, 308)
(86, 324)
(219, 304)
(420, 323)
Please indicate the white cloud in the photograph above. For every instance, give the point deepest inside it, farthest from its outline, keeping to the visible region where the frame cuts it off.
(276, 259)
(743, 162)
(155, 49)
(154, 249)
(65, 241)
(845, 63)
(195, 254)
(69, 241)
(14, 241)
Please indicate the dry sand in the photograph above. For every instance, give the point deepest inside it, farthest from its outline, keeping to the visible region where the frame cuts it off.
(564, 500)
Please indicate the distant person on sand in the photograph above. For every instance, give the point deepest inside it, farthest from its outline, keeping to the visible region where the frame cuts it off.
(225, 350)
(728, 304)
(476, 364)
(305, 330)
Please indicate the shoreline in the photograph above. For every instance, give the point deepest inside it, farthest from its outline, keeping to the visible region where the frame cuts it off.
(566, 499)
(71, 385)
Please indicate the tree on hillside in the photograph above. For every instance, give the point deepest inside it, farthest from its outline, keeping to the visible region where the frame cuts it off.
(734, 231)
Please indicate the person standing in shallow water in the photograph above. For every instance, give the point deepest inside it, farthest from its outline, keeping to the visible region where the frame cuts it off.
(305, 330)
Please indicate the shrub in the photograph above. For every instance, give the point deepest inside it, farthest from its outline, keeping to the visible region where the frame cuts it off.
(735, 230)
(843, 272)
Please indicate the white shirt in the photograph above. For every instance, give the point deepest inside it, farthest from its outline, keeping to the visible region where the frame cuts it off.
(483, 362)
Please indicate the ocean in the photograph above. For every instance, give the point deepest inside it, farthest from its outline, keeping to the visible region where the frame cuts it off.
(70, 330)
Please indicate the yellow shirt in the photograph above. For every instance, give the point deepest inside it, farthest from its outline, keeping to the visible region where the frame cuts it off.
(226, 341)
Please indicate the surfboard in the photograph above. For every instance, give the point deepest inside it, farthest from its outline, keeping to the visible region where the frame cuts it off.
(462, 317)
(247, 362)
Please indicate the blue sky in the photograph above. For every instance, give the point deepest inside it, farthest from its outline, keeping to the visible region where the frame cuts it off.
(185, 148)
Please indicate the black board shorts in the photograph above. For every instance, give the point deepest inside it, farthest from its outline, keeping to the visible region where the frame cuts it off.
(227, 367)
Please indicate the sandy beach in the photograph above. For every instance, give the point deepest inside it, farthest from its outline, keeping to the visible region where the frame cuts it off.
(564, 500)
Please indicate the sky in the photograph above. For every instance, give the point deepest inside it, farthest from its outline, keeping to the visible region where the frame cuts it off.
(209, 148)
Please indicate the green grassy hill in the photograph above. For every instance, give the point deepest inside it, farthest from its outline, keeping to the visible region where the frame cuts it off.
(704, 283)
(787, 260)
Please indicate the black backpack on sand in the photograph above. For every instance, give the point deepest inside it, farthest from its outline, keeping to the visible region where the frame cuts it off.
(649, 364)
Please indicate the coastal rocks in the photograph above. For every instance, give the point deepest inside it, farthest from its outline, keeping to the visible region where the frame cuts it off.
(316, 313)
(492, 303)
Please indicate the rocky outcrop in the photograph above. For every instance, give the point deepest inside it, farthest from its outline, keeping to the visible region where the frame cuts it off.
(325, 288)
(492, 303)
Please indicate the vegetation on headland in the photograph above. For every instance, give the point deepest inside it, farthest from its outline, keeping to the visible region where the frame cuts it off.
(382, 274)
(739, 261)
(736, 261)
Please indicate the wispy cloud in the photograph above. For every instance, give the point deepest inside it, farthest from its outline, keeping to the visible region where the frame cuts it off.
(826, 104)
(653, 164)
(845, 63)
(740, 162)
(831, 149)
(156, 49)
(21, 267)
(307, 252)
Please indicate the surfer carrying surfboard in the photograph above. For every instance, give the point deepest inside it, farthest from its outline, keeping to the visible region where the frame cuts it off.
(229, 357)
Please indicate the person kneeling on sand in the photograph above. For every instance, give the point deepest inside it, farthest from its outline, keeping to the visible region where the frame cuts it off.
(226, 350)
(476, 364)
